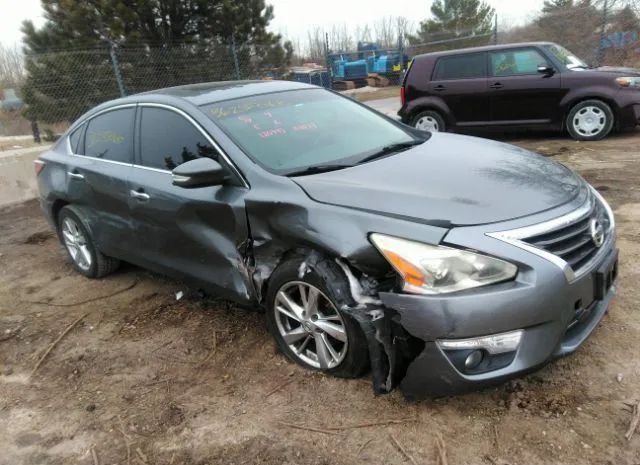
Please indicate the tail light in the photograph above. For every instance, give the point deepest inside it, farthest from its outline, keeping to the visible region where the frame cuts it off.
(403, 98)
(38, 166)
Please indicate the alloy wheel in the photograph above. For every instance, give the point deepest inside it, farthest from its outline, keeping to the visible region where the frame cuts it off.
(76, 243)
(428, 123)
(589, 121)
(310, 325)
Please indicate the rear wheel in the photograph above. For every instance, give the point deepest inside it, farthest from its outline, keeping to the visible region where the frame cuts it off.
(429, 120)
(590, 120)
(78, 243)
(305, 318)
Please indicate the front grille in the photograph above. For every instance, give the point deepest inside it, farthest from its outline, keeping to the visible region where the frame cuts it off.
(573, 242)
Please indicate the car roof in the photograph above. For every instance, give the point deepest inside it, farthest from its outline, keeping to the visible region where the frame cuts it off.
(486, 48)
(211, 92)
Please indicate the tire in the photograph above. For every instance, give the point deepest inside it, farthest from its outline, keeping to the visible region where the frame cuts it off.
(429, 120)
(590, 120)
(332, 285)
(87, 259)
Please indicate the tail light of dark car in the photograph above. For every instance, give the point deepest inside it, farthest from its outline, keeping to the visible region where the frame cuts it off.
(403, 98)
(38, 166)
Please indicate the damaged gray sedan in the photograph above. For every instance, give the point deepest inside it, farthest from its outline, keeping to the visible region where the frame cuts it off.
(442, 263)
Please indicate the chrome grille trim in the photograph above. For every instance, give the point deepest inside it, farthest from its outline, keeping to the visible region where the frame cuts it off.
(518, 237)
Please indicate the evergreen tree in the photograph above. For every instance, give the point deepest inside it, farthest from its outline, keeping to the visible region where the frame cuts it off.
(553, 5)
(455, 18)
(157, 43)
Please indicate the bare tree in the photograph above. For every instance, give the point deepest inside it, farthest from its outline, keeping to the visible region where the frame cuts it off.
(315, 44)
(363, 33)
(384, 31)
(339, 38)
(11, 66)
(404, 27)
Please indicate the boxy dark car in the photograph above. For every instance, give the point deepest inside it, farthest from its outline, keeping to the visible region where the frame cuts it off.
(529, 85)
(442, 262)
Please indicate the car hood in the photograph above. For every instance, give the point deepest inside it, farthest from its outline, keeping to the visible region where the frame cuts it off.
(450, 180)
(618, 70)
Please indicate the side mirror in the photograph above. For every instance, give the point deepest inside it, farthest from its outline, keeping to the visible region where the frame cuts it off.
(200, 172)
(546, 70)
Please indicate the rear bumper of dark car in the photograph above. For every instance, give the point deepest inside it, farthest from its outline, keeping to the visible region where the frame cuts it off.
(559, 329)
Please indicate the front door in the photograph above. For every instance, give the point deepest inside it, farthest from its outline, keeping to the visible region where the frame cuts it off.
(519, 94)
(197, 233)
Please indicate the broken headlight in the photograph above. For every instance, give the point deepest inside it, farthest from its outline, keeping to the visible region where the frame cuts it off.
(434, 269)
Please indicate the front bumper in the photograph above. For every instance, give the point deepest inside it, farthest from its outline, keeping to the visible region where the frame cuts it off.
(556, 317)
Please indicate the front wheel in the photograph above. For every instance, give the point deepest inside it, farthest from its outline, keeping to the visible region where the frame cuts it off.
(305, 318)
(590, 120)
(429, 120)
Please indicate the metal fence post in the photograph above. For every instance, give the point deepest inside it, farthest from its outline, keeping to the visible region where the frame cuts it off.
(327, 59)
(236, 66)
(603, 30)
(116, 70)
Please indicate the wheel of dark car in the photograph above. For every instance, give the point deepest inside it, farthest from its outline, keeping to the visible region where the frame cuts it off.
(429, 120)
(304, 316)
(590, 120)
(78, 243)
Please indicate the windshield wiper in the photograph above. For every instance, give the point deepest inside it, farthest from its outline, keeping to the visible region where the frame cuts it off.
(318, 169)
(393, 148)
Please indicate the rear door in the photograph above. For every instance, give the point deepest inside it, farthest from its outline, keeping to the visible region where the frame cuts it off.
(519, 94)
(97, 177)
(461, 82)
(197, 233)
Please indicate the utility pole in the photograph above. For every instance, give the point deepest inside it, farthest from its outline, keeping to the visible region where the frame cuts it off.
(495, 29)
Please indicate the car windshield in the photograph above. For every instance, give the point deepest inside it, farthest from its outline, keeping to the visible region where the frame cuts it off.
(307, 130)
(566, 57)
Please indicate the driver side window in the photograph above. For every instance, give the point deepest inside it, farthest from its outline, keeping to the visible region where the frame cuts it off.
(516, 62)
(167, 140)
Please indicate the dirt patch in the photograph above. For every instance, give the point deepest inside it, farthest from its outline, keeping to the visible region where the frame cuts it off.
(146, 378)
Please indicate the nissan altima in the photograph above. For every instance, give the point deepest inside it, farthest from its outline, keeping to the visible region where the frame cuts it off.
(439, 262)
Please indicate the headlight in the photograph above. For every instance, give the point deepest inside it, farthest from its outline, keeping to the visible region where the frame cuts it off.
(628, 81)
(434, 269)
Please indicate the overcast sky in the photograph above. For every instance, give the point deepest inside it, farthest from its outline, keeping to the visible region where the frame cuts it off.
(294, 17)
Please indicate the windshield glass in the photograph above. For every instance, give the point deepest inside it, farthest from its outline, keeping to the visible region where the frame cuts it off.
(566, 57)
(289, 131)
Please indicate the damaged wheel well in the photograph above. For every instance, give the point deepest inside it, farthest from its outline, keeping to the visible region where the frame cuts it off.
(391, 347)
(58, 204)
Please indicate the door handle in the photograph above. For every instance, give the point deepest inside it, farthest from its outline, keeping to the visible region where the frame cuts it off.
(75, 175)
(439, 88)
(140, 195)
(497, 85)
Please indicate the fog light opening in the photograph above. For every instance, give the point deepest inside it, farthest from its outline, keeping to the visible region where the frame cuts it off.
(474, 359)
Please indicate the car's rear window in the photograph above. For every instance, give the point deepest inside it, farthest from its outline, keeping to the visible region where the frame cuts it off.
(467, 66)
(287, 131)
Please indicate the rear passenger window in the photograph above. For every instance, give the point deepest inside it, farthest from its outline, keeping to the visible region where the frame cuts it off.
(461, 67)
(167, 140)
(110, 136)
(514, 62)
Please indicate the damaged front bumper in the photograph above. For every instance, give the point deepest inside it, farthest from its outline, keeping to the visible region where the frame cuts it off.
(552, 319)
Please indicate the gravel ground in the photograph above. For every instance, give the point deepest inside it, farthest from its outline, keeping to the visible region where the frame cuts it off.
(143, 378)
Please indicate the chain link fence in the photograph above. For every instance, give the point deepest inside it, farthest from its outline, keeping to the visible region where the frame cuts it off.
(64, 84)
